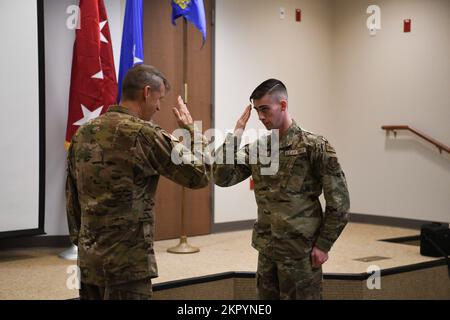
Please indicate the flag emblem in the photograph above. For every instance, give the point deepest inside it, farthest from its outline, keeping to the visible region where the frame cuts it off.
(193, 11)
(182, 3)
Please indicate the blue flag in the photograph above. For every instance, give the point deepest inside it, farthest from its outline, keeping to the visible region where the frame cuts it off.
(193, 11)
(132, 51)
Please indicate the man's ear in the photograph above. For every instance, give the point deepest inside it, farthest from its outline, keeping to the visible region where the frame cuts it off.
(147, 92)
(284, 105)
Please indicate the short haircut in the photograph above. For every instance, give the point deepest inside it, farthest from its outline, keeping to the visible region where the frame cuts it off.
(140, 76)
(271, 87)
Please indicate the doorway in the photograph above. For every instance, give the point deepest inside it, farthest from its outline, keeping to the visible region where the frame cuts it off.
(163, 48)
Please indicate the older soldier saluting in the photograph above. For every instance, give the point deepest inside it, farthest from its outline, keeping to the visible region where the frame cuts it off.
(113, 166)
(292, 233)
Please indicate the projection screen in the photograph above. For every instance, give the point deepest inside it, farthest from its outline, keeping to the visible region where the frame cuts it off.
(22, 123)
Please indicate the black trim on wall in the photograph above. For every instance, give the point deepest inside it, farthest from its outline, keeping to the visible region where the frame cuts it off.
(232, 226)
(34, 242)
(20, 233)
(41, 59)
(389, 221)
(354, 217)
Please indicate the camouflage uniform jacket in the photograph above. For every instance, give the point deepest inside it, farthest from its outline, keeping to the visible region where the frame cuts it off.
(113, 166)
(290, 217)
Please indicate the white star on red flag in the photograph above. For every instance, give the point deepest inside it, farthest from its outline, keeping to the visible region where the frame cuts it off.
(98, 75)
(93, 80)
(102, 37)
(88, 115)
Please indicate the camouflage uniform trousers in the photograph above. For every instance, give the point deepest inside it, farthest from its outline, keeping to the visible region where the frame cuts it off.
(135, 290)
(288, 280)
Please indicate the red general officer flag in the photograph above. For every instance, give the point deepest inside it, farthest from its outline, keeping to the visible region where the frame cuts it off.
(93, 85)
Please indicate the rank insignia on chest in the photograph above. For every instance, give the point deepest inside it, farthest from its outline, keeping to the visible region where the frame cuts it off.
(295, 152)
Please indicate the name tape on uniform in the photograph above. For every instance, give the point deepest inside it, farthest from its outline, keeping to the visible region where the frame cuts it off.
(295, 152)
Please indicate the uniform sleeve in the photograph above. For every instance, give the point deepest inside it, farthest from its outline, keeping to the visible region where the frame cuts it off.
(72, 205)
(335, 191)
(171, 159)
(230, 165)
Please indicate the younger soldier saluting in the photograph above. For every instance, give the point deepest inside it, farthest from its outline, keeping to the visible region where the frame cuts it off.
(292, 233)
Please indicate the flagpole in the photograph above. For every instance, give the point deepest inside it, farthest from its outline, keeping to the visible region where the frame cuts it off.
(184, 246)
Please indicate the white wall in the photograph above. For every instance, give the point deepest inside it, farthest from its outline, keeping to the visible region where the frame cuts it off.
(58, 62)
(394, 78)
(252, 45)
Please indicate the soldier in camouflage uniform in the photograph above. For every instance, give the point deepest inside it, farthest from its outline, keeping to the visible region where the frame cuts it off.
(113, 166)
(292, 233)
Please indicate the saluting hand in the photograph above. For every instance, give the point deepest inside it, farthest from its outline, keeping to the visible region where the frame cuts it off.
(182, 114)
(242, 122)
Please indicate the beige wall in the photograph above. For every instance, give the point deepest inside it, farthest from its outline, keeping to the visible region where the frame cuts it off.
(252, 45)
(345, 84)
(393, 78)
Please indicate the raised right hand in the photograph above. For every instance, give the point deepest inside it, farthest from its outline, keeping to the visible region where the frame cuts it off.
(182, 114)
(242, 122)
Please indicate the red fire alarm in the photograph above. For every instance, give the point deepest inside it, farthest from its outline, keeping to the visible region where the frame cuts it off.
(298, 15)
(252, 184)
(407, 25)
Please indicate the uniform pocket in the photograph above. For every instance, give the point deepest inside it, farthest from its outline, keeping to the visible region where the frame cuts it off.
(296, 175)
(297, 247)
(307, 227)
(260, 236)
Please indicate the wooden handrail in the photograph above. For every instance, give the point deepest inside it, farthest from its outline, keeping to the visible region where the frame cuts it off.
(438, 144)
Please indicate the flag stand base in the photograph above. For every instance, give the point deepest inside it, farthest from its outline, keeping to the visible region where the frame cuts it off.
(183, 247)
(69, 254)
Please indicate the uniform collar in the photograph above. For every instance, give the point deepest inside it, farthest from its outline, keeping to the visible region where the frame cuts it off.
(121, 109)
(291, 135)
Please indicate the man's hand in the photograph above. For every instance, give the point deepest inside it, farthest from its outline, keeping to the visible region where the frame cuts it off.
(318, 257)
(242, 122)
(182, 114)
